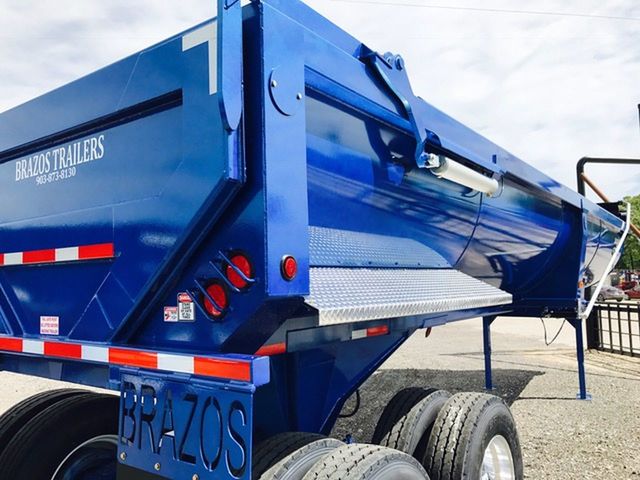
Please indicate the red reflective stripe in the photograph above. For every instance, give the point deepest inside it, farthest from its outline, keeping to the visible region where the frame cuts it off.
(232, 370)
(377, 331)
(11, 344)
(101, 250)
(63, 350)
(133, 358)
(1, 258)
(274, 349)
(39, 256)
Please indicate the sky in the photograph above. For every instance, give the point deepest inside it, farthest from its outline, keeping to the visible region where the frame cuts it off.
(549, 80)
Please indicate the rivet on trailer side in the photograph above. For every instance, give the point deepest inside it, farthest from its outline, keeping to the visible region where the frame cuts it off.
(234, 228)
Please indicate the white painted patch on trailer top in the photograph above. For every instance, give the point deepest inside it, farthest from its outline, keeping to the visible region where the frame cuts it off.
(206, 34)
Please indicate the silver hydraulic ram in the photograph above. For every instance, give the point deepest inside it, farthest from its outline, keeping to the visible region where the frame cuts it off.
(444, 167)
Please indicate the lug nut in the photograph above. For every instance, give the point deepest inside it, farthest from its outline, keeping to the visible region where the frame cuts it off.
(157, 467)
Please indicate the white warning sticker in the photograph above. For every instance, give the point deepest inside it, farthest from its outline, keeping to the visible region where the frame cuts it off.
(170, 314)
(186, 308)
(49, 325)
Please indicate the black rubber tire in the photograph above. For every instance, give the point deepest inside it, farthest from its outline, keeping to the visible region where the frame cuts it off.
(269, 452)
(296, 465)
(464, 427)
(414, 411)
(55, 432)
(17, 416)
(399, 405)
(366, 462)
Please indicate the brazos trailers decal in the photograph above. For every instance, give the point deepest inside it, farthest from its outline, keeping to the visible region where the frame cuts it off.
(60, 163)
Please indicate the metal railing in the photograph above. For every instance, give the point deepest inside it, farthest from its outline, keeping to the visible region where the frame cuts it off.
(618, 327)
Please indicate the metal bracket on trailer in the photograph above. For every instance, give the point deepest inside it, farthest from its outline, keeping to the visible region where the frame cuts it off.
(429, 152)
(390, 69)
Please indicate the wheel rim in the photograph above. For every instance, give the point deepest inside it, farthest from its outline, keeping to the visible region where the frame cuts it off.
(95, 459)
(497, 463)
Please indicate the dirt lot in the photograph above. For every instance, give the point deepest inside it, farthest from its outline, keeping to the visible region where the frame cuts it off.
(562, 438)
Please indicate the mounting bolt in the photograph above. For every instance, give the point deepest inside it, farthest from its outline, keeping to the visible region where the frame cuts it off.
(299, 96)
(195, 477)
(157, 467)
(399, 63)
(274, 83)
(123, 456)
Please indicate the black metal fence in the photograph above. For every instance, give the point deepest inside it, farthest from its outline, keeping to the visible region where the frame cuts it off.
(615, 327)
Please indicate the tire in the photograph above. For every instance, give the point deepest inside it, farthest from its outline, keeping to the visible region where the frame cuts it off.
(407, 420)
(367, 462)
(271, 451)
(15, 418)
(399, 405)
(58, 431)
(296, 465)
(469, 427)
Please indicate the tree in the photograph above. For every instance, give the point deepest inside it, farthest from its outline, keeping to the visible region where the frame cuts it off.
(630, 259)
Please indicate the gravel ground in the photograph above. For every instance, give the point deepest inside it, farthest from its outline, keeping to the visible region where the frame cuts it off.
(562, 438)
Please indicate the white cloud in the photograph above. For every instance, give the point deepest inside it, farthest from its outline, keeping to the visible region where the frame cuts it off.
(548, 88)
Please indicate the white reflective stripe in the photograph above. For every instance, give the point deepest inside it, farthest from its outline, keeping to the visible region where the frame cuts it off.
(33, 346)
(206, 34)
(67, 254)
(14, 258)
(358, 334)
(175, 363)
(95, 354)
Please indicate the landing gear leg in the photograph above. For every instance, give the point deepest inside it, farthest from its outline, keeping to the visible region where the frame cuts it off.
(486, 337)
(576, 323)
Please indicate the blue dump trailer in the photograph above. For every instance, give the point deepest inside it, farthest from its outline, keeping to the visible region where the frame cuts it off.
(234, 229)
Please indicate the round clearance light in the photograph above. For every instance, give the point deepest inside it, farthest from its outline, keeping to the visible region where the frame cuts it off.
(242, 263)
(289, 268)
(219, 295)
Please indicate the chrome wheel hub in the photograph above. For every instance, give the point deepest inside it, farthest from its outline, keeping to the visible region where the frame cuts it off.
(497, 463)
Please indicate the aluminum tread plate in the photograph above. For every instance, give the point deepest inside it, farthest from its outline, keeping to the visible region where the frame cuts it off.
(345, 295)
(330, 247)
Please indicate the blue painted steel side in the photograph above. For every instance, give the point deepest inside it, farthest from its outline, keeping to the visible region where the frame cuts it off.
(184, 174)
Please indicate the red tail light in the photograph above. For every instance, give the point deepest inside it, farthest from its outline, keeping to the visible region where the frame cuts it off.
(289, 268)
(219, 295)
(243, 264)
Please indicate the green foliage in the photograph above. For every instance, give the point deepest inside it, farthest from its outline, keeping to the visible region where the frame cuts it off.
(631, 256)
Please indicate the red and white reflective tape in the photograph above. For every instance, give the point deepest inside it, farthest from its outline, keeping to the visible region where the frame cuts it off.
(235, 369)
(370, 332)
(56, 255)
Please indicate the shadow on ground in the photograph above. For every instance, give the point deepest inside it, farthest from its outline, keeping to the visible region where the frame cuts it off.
(379, 389)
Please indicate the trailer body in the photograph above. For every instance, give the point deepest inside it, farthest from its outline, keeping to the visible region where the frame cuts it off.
(267, 133)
